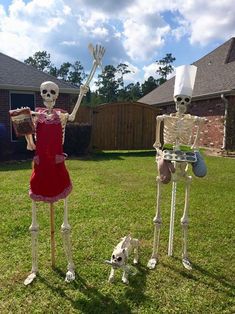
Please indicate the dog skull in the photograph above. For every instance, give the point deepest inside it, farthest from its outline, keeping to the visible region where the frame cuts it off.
(118, 258)
(49, 92)
(181, 103)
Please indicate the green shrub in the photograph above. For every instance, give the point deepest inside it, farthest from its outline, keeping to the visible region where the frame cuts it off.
(77, 138)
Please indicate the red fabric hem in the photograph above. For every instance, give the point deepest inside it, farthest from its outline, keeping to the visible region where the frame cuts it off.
(48, 199)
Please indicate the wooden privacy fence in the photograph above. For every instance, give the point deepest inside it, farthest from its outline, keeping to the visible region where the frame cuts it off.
(120, 126)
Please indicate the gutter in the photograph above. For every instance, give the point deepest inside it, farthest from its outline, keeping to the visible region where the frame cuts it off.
(195, 98)
(225, 102)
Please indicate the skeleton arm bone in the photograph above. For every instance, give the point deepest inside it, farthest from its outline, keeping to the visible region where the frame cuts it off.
(199, 123)
(29, 137)
(157, 145)
(83, 90)
(97, 54)
(30, 142)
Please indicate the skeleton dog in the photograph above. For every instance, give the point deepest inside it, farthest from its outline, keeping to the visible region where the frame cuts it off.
(120, 256)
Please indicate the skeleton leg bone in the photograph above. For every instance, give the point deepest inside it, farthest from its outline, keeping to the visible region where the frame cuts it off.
(34, 229)
(157, 220)
(125, 275)
(172, 219)
(184, 223)
(65, 229)
(135, 243)
(111, 276)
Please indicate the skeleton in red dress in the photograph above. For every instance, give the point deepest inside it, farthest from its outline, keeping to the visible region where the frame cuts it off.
(50, 180)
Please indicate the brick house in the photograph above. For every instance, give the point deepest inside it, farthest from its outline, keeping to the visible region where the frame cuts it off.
(19, 86)
(213, 96)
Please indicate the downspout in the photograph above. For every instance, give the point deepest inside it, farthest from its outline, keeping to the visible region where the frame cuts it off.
(225, 102)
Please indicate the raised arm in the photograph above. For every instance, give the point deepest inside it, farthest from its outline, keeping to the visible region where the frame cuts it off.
(97, 53)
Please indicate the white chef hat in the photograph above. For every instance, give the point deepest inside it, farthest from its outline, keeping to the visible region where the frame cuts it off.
(184, 80)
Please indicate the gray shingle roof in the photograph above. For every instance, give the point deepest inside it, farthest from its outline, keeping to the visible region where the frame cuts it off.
(17, 75)
(215, 74)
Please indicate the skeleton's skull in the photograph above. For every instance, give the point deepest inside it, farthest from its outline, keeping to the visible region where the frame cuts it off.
(118, 258)
(49, 92)
(181, 103)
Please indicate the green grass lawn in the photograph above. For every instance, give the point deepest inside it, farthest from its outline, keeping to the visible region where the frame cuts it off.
(114, 194)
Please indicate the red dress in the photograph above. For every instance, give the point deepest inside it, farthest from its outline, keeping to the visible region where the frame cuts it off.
(50, 180)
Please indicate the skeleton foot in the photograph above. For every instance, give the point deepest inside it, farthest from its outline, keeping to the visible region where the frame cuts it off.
(152, 263)
(30, 278)
(70, 276)
(187, 264)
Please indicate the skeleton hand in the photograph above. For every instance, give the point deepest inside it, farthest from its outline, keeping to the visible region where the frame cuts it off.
(30, 142)
(84, 89)
(97, 52)
(31, 146)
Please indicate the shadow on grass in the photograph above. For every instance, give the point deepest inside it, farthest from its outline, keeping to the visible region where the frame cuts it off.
(120, 155)
(98, 156)
(136, 288)
(95, 301)
(202, 275)
(15, 165)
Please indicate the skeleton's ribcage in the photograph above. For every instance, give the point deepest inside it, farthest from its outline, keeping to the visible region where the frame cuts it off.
(178, 130)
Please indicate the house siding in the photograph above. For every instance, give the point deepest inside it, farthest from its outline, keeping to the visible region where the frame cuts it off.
(17, 149)
(212, 134)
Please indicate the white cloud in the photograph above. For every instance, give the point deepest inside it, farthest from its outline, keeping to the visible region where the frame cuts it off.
(130, 30)
(150, 70)
(134, 76)
(30, 25)
(100, 32)
(69, 43)
(206, 21)
(11, 44)
(141, 40)
(89, 20)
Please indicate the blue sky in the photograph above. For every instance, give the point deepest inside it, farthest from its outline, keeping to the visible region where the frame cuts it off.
(134, 32)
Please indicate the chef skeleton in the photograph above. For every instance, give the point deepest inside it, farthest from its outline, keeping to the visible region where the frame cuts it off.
(50, 179)
(178, 129)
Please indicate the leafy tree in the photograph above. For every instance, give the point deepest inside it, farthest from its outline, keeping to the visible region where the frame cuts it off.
(63, 71)
(73, 73)
(54, 71)
(77, 74)
(107, 84)
(111, 83)
(133, 91)
(40, 60)
(121, 70)
(149, 85)
(165, 67)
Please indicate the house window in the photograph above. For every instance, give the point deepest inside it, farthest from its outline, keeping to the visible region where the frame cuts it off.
(18, 100)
